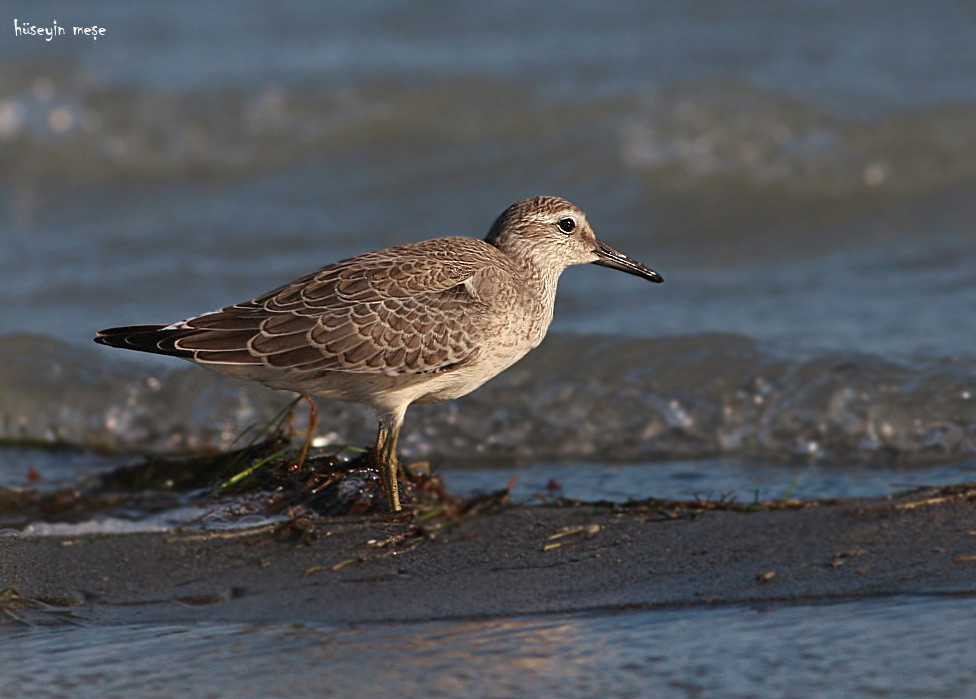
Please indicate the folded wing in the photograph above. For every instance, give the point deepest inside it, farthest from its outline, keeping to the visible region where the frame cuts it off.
(398, 311)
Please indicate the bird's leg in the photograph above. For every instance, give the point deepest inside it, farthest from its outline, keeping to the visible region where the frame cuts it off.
(385, 457)
(313, 418)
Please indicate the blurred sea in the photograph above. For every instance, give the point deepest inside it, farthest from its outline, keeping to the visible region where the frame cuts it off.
(803, 173)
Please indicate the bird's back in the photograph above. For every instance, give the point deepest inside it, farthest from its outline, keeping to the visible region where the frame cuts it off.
(413, 310)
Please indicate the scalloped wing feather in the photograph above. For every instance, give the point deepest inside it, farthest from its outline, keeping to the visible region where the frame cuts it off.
(404, 310)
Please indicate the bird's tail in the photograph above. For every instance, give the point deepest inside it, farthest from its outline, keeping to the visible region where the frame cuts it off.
(157, 339)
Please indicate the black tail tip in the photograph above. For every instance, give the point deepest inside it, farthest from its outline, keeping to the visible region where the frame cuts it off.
(135, 337)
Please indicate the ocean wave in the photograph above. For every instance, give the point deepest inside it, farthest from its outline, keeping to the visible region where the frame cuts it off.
(589, 398)
(710, 136)
(715, 155)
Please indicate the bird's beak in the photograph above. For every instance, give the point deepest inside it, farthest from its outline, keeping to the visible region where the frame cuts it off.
(608, 257)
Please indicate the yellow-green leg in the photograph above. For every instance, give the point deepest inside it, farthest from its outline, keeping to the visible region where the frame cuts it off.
(386, 459)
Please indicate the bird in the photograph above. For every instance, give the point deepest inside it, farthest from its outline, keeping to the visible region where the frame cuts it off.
(418, 323)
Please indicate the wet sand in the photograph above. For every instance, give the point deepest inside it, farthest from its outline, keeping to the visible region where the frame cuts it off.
(518, 560)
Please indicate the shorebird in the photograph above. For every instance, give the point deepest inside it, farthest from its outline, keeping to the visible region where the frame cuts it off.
(418, 323)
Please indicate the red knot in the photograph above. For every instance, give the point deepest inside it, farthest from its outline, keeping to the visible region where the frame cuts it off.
(418, 323)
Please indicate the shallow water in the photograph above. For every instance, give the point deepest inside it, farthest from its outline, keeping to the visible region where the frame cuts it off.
(893, 647)
(577, 398)
(803, 175)
(744, 481)
(810, 205)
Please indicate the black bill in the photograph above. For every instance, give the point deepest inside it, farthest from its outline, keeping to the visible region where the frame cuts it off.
(617, 260)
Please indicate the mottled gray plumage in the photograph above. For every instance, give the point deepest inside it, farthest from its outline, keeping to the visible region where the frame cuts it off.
(416, 323)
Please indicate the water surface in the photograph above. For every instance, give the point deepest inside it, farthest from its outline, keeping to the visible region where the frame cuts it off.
(802, 173)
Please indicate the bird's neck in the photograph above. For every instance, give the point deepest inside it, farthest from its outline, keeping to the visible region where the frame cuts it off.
(545, 280)
(540, 284)
(538, 278)
(540, 273)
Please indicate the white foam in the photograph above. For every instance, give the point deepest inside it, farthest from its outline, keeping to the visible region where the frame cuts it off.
(192, 518)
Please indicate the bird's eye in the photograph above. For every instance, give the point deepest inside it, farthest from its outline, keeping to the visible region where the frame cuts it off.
(567, 225)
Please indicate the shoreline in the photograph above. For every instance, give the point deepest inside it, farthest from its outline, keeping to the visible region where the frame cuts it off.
(516, 560)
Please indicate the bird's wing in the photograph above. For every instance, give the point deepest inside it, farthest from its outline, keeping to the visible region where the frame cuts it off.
(405, 310)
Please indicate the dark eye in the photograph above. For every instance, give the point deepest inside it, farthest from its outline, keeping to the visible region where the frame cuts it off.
(567, 225)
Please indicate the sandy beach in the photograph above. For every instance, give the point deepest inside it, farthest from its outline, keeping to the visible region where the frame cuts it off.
(519, 560)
